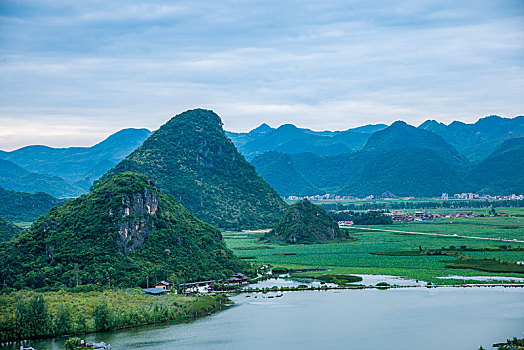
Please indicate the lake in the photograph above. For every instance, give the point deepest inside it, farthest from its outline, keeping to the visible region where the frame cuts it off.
(403, 318)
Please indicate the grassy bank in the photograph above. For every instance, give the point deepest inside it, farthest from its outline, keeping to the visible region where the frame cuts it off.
(356, 257)
(31, 315)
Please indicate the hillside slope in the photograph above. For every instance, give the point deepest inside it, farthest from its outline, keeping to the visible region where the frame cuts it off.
(400, 159)
(7, 230)
(304, 223)
(503, 171)
(191, 158)
(123, 233)
(280, 172)
(25, 207)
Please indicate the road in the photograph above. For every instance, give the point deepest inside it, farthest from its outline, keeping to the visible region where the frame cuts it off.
(436, 234)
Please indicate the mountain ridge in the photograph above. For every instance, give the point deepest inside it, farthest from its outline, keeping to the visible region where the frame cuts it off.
(191, 158)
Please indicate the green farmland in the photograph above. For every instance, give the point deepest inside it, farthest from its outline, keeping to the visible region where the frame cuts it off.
(355, 257)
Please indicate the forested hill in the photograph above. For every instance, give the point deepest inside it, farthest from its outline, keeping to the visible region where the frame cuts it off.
(304, 223)
(123, 233)
(25, 207)
(401, 136)
(191, 158)
(13, 177)
(503, 170)
(7, 230)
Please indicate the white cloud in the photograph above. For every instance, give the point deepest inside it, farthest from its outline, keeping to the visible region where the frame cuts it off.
(323, 65)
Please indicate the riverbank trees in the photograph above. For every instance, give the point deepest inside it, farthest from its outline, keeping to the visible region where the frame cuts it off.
(31, 315)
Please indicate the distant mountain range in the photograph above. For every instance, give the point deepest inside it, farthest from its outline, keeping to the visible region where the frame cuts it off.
(291, 140)
(364, 160)
(476, 141)
(400, 160)
(66, 172)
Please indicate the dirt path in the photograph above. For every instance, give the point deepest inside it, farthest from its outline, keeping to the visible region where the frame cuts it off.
(436, 234)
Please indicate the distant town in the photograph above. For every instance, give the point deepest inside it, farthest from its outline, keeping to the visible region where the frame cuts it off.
(444, 196)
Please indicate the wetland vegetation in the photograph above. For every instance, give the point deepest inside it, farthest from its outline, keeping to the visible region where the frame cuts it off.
(404, 257)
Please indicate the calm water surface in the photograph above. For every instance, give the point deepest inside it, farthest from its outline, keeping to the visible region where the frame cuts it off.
(406, 318)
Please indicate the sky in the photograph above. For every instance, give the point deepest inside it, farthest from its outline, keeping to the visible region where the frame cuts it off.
(74, 72)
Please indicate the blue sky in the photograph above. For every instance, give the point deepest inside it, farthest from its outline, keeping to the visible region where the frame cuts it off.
(73, 72)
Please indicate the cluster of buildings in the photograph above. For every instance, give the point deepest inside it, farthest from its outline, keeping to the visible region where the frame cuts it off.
(472, 196)
(192, 288)
(400, 215)
(444, 196)
(335, 197)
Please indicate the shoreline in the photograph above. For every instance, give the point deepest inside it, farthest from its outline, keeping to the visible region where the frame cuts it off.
(359, 287)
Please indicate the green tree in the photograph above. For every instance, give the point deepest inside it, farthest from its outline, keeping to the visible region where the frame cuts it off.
(22, 315)
(102, 316)
(63, 321)
(32, 317)
(72, 343)
(80, 323)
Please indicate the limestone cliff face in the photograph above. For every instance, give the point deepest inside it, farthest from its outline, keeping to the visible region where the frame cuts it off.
(135, 220)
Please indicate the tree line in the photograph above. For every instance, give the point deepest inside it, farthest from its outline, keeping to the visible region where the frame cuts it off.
(33, 318)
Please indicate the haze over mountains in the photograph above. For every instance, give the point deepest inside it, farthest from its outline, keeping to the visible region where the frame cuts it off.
(406, 161)
(291, 140)
(68, 172)
(371, 159)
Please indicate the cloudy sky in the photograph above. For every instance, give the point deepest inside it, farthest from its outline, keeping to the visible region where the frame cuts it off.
(73, 72)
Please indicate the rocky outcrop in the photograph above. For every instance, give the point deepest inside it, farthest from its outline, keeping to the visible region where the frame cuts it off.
(135, 219)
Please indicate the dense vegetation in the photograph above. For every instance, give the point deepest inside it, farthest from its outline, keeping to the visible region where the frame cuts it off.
(191, 158)
(7, 230)
(400, 136)
(355, 257)
(75, 167)
(15, 178)
(25, 207)
(275, 165)
(125, 233)
(29, 315)
(304, 223)
(503, 170)
(488, 265)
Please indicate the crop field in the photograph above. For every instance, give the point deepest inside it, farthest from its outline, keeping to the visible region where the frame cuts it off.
(355, 257)
(492, 227)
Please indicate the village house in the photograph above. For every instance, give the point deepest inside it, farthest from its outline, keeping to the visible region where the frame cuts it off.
(237, 279)
(201, 287)
(162, 285)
